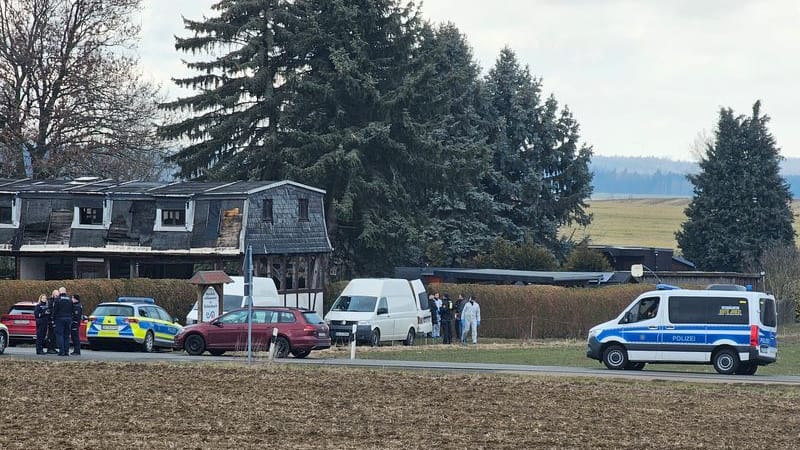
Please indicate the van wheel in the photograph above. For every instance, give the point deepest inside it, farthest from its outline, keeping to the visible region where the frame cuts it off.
(375, 339)
(726, 361)
(747, 369)
(615, 357)
(634, 366)
(412, 335)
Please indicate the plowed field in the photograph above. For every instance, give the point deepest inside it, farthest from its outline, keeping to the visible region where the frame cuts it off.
(109, 405)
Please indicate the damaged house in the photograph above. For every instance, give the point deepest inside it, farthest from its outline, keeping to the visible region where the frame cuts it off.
(91, 228)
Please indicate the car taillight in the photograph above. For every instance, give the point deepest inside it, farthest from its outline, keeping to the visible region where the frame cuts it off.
(310, 330)
(131, 320)
(753, 335)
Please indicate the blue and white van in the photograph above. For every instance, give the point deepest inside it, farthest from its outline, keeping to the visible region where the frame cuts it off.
(734, 330)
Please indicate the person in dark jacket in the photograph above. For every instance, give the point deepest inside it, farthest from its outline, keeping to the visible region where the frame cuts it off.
(42, 315)
(77, 316)
(457, 314)
(52, 341)
(62, 316)
(446, 315)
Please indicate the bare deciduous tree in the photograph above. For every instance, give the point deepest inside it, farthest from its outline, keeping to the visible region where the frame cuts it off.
(71, 99)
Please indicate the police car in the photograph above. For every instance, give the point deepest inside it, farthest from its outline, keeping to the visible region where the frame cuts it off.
(3, 338)
(131, 320)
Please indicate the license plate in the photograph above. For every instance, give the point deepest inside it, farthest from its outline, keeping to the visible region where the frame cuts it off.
(342, 333)
(322, 334)
(22, 322)
(110, 327)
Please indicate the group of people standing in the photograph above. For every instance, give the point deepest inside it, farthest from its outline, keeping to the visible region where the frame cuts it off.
(464, 314)
(58, 321)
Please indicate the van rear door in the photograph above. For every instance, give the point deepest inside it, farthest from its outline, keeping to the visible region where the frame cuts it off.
(424, 324)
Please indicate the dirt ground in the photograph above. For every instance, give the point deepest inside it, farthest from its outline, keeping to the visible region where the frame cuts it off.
(79, 404)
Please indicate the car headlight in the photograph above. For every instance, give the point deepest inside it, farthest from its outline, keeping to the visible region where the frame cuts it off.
(364, 322)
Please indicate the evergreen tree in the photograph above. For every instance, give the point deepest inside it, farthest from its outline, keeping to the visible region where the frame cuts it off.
(584, 259)
(741, 203)
(540, 175)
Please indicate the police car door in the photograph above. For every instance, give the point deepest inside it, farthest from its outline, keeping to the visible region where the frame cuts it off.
(641, 329)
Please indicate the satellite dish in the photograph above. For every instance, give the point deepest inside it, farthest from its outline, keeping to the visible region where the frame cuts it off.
(637, 270)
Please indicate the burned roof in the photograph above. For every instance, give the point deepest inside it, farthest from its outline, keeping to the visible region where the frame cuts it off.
(94, 185)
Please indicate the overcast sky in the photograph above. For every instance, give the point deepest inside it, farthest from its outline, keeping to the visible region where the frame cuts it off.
(643, 78)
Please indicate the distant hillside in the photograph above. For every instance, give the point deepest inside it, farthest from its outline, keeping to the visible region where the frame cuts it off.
(660, 177)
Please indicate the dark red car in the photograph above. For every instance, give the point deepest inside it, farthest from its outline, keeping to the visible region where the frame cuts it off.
(22, 325)
(299, 332)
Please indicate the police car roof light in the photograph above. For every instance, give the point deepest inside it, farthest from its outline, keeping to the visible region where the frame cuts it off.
(666, 287)
(136, 300)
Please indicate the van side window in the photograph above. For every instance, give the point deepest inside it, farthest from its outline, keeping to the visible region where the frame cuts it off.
(713, 310)
(383, 305)
(647, 308)
(768, 315)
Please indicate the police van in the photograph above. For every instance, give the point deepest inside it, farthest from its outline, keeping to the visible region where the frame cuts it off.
(729, 327)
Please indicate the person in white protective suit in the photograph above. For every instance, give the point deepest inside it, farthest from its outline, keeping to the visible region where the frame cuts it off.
(472, 320)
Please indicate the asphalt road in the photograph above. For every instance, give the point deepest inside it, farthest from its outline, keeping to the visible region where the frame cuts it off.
(182, 357)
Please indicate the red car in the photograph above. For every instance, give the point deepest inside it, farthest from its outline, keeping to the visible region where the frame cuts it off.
(22, 325)
(299, 332)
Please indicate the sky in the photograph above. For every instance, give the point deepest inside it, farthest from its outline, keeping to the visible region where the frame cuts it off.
(642, 78)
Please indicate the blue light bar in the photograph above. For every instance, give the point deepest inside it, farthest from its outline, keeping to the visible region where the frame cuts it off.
(666, 287)
(136, 300)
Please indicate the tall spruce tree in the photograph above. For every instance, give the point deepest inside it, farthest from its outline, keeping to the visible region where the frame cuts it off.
(741, 204)
(540, 174)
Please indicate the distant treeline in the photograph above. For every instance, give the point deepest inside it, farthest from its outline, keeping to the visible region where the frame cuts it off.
(657, 177)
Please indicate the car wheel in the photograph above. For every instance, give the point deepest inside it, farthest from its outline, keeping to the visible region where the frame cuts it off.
(375, 339)
(300, 353)
(216, 352)
(94, 346)
(412, 335)
(634, 366)
(281, 347)
(747, 369)
(3, 342)
(149, 342)
(615, 357)
(725, 361)
(195, 345)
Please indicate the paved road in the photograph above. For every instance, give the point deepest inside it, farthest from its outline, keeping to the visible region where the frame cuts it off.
(181, 357)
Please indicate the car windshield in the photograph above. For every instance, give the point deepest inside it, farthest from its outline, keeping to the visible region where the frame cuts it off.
(312, 317)
(355, 303)
(113, 310)
(21, 310)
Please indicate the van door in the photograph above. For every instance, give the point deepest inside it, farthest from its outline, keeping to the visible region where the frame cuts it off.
(641, 329)
(686, 329)
(383, 320)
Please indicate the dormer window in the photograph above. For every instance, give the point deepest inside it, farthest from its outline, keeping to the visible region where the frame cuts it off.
(5, 214)
(173, 217)
(90, 216)
(303, 209)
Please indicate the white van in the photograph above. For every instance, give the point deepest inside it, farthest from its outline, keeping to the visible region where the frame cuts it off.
(264, 294)
(734, 330)
(383, 309)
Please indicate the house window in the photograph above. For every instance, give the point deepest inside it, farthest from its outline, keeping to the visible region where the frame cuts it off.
(173, 217)
(5, 214)
(303, 208)
(91, 216)
(266, 214)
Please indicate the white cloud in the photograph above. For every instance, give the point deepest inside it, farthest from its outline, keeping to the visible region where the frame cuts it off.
(641, 77)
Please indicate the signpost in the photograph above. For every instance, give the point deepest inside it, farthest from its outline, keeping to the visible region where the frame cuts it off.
(211, 305)
(248, 292)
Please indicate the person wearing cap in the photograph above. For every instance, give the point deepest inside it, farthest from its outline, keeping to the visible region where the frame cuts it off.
(77, 316)
(472, 319)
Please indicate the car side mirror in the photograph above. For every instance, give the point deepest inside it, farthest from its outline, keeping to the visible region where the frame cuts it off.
(628, 317)
(383, 311)
(216, 323)
(174, 320)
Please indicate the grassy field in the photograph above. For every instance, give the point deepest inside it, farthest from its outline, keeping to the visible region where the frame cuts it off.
(569, 353)
(74, 404)
(640, 222)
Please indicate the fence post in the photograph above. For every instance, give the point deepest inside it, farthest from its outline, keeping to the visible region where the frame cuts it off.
(272, 344)
(353, 343)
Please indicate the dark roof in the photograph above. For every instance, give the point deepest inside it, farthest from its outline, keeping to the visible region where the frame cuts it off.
(684, 261)
(93, 185)
(521, 276)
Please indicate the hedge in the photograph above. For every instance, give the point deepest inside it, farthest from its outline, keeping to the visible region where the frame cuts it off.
(537, 311)
(176, 296)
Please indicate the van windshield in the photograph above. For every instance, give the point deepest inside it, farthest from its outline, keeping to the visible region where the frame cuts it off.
(355, 303)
